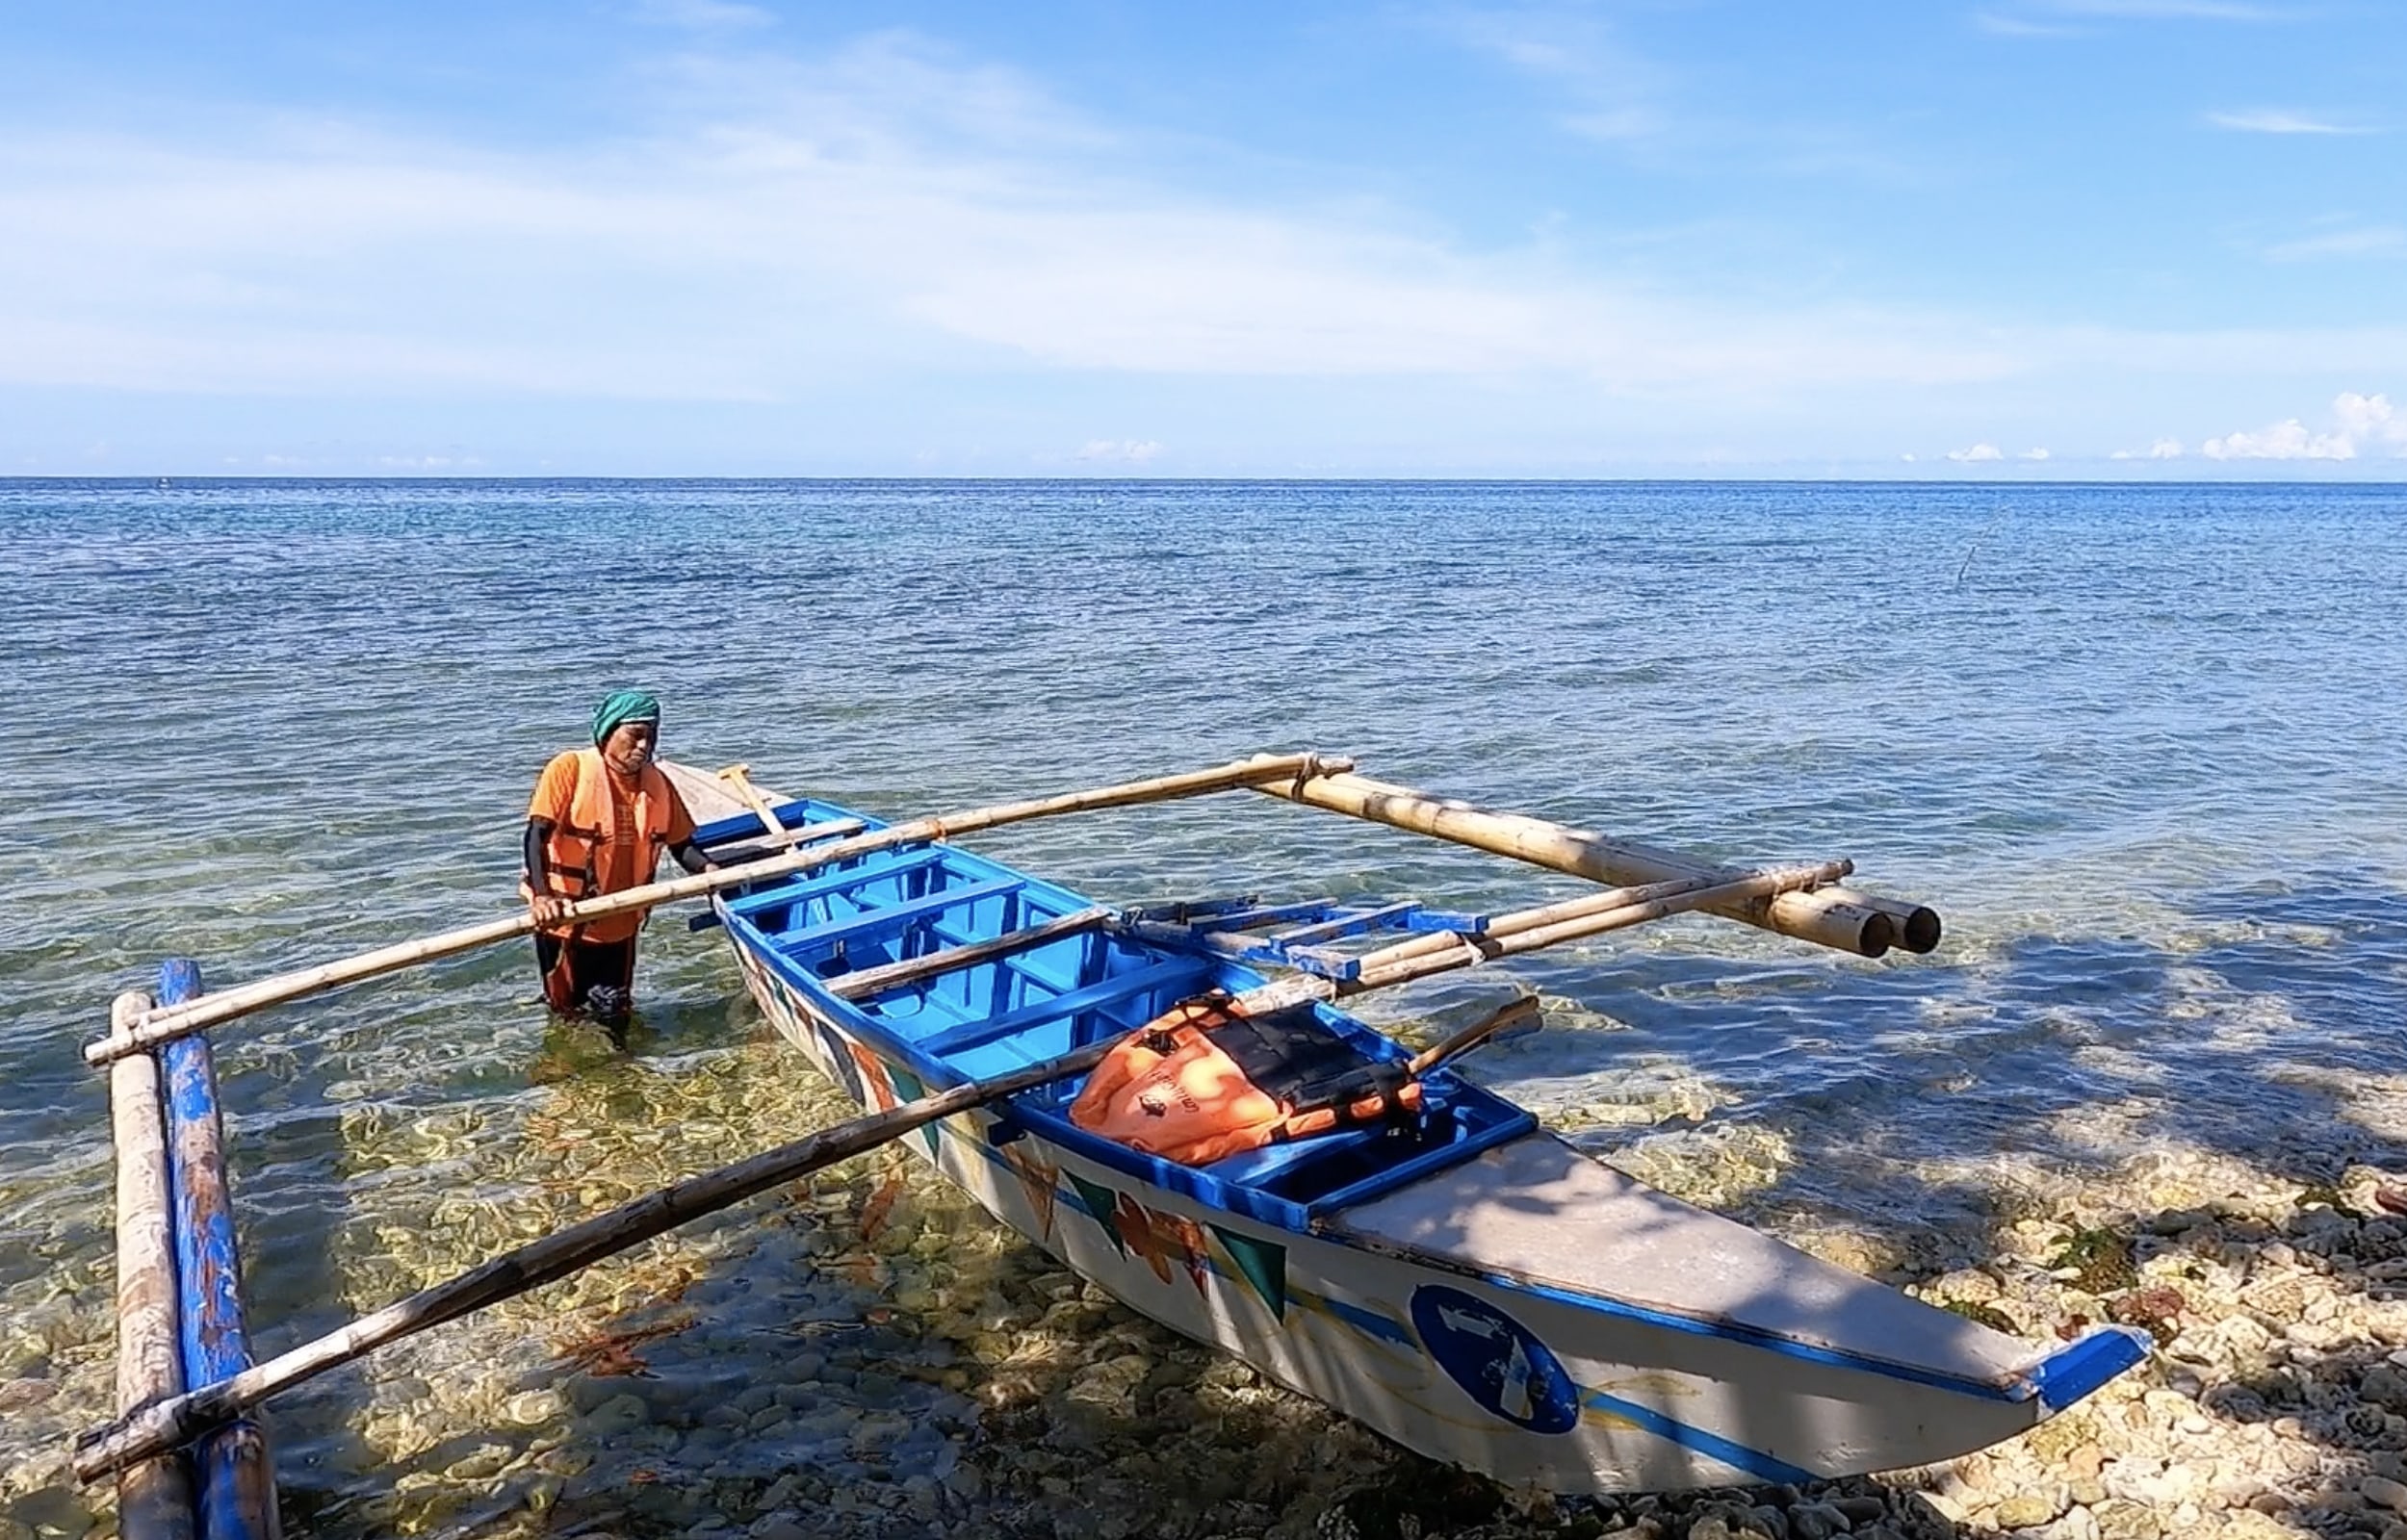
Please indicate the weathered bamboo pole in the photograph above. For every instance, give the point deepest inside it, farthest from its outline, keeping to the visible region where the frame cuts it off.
(1831, 917)
(1505, 926)
(165, 1025)
(155, 1498)
(1526, 930)
(866, 982)
(157, 1428)
(234, 1481)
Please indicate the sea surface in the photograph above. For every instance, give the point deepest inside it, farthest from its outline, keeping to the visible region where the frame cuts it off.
(2144, 749)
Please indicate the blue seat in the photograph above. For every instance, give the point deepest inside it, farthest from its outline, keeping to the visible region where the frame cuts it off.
(890, 918)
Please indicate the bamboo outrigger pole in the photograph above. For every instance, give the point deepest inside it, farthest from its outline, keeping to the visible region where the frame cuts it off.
(1831, 917)
(155, 1497)
(160, 1026)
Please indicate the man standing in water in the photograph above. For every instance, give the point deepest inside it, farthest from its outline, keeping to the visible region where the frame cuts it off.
(598, 822)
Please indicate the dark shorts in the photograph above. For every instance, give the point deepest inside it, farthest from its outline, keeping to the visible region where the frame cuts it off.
(609, 966)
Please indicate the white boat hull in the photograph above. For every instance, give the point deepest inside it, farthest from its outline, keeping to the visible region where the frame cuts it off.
(1531, 1314)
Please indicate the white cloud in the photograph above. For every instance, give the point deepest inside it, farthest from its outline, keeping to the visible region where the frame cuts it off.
(2008, 26)
(2276, 120)
(1133, 451)
(1978, 452)
(2160, 449)
(2035, 454)
(2172, 9)
(703, 15)
(2374, 242)
(880, 208)
(2369, 416)
(1614, 93)
(2359, 422)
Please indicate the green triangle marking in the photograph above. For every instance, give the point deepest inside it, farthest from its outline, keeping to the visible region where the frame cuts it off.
(909, 1087)
(1100, 1202)
(1264, 1263)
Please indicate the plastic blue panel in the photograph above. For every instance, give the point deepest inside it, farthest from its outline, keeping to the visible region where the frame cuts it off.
(234, 1485)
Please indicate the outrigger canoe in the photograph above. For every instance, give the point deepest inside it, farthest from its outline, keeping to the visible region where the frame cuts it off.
(1448, 1273)
(1464, 1281)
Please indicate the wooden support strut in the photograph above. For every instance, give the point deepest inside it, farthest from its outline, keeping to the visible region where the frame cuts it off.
(165, 1024)
(1837, 918)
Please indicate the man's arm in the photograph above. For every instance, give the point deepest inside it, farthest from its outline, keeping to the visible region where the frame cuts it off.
(544, 905)
(689, 855)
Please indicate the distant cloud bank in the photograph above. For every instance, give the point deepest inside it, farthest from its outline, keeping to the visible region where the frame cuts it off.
(2361, 423)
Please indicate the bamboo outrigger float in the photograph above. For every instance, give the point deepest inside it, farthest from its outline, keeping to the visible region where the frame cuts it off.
(1454, 1278)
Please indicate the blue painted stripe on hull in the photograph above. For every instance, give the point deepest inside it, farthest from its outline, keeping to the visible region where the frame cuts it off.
(1738, 1456)
(2019, 1389)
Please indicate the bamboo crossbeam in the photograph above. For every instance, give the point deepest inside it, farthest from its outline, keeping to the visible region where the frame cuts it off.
(1831, 917)
(165, 1025)
(157, 1429)
(1528, 929)
(866, 982)
(154, 1498)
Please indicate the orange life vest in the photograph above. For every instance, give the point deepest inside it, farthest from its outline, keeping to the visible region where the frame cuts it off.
(576, 855)
(1203, 1080)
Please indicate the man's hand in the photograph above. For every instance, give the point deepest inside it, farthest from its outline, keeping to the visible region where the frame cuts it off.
(547, 909)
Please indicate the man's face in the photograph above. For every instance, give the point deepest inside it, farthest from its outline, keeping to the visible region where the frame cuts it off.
(629, 747)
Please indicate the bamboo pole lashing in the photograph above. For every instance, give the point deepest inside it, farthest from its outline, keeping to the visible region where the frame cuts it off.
(165, 1025)
(1831, 917)
(155, 1497)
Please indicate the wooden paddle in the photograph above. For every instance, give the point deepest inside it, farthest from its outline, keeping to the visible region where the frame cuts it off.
(739, 777)
(164, 1025)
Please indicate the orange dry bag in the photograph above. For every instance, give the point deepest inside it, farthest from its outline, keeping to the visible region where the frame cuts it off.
(1205, 1080)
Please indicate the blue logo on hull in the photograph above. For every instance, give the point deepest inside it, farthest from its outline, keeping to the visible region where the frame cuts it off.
(1495, 1359)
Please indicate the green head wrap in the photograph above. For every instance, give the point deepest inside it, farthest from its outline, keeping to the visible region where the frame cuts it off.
(621, 706)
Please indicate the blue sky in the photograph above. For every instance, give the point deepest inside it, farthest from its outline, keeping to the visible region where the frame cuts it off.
(2021, 237)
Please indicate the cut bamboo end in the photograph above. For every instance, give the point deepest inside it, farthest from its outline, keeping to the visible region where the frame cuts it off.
(1837, 918)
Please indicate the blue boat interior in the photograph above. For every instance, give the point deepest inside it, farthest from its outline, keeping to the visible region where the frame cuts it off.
(1037, 1002)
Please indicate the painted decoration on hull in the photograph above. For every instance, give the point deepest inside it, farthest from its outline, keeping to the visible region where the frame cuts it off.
(1498, 1362)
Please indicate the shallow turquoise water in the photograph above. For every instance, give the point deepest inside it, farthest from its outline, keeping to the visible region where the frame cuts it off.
(2140, 746)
